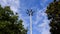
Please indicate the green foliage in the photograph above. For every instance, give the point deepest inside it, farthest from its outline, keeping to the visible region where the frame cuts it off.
(53, 13)
(9, 23)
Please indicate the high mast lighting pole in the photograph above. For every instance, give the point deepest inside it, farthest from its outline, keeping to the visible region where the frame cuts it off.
(30, 13)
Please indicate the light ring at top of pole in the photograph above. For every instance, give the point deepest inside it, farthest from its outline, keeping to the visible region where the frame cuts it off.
(30, 12)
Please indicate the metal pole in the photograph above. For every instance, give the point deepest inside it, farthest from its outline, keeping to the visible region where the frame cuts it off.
(30, 24)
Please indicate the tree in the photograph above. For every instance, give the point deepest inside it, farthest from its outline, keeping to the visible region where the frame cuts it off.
(9, 23)
(53, 13)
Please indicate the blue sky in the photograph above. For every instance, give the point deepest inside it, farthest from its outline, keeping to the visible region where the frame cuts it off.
(39, 19)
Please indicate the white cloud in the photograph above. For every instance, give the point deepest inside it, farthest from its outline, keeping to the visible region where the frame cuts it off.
(14, 4)
(43, 28)
(43, 3)
(45, 31)
(39, 15)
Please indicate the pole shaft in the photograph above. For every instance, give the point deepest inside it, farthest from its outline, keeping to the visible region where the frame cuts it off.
(30, 24)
